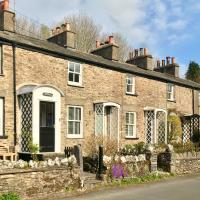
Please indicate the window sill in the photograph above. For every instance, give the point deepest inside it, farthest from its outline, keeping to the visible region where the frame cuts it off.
(170, 100)
(4, 137)
(132, 94)
(74, 137)
(2, 75)
(131, 138)
(75, 85)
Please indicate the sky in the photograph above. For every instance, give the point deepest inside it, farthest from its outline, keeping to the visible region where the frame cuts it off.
(165, 27)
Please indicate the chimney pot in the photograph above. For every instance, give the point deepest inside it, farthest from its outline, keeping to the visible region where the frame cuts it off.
(57, 30)
(168, 60)
(145, 51)
(68, 26)
(110, 39)
(63, 27)
(136, 52)
(141, 51)
(173, 60)
(5, 5)
(98, 44)
(158, 63)
(163, 63)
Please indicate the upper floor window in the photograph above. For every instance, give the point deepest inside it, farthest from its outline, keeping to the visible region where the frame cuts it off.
(130, 125)
(170, 92)
(199, 98)
(75, 122)
(1, 59)
(130, 85)
(74, 73)
(1, 116)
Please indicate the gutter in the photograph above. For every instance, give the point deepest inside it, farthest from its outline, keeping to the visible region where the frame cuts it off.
(14, 94)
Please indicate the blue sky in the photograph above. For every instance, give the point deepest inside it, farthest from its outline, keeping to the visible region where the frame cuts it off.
(165, 27)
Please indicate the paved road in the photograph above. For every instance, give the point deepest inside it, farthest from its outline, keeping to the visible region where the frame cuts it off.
(182, 188)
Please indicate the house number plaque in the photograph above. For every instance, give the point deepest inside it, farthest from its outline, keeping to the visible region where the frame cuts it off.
(47, 94)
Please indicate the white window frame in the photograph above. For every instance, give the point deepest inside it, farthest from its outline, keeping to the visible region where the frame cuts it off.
(80, 75)
(171, 93)
(133, 84)
(81, 123)
(199, 98)
(128, 124)
(1, 117)
(1, 59)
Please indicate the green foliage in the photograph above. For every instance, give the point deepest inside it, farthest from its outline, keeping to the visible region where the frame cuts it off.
(34, 149)
(193, 72)
(174, 128)
(161, 147)
(134, 149)
(10, 196)
(187, 147)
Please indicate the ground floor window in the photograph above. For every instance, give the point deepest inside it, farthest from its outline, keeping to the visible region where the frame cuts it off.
(1, 116)
(130, 124)
(75, 121)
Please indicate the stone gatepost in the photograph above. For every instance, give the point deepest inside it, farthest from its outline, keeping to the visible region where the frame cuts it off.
(151, 156)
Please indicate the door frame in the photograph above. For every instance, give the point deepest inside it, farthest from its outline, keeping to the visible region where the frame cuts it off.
(47, 94)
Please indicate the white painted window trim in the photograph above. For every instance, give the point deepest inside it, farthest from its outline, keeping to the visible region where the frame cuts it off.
(75, 136)
(134, 125)
(80, 83)
(170, 93)
(1, 116)
(199, 98)
(133, 84)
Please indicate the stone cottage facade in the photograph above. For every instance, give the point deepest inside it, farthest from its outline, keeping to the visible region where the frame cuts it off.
(56, 96)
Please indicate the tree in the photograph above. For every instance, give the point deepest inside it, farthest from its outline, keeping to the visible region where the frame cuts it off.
(87, 31)
(193, 72)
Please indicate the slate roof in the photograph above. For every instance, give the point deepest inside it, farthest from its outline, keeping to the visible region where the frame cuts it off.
(49, 48)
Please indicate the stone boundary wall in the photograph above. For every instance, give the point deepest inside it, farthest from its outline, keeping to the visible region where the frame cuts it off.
(187, 163)
(35, 183)
(183, 163)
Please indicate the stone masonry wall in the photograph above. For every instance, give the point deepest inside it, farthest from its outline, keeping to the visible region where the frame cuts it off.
(33, 184)
(99, 85)
(187, 163)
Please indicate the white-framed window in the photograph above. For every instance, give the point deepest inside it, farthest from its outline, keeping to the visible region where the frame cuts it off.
(131, 125)
(130, 84)
(75, 122)
(170, 92)
(74, 74)
(199, 98)
(1, 116)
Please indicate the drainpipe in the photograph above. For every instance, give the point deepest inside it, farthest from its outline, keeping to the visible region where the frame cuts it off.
(193, 101)
(14, 94)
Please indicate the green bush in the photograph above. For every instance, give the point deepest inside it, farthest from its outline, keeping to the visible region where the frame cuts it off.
(10, 196)
(187, 147)
(134, 149)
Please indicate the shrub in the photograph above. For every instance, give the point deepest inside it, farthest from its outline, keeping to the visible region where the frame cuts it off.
(180, 147)
(134, 149)
(174, 128)
(10, 196)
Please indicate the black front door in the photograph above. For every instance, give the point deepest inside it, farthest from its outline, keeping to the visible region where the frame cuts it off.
(47, 129)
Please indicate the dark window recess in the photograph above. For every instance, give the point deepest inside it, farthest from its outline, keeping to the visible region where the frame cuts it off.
(1, 59)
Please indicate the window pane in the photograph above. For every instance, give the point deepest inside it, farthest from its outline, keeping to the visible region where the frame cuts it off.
(77, 128)
(1, 117)
(130, 81)
(76, 78)
(130, 131)
(126, 130)
(78, 114)
(71, 77)
(70, 127)
(129, 88)
(71, 113)
(131, 118)
(77, 68)
(71, 67)
(127, 118)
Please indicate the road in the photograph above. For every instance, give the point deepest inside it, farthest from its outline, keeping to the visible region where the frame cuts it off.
(181, 188)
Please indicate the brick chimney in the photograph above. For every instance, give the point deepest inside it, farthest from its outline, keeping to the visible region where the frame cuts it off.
(63, 36)
(141, 58)
(7, 18)
(169, 67)
(108, 50)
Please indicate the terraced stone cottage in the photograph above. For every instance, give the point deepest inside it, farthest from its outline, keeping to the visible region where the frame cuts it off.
(59, 97)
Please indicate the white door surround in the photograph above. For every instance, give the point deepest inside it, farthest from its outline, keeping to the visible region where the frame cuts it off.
(46, 93)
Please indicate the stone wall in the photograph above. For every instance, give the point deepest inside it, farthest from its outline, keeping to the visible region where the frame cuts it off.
(39, 183)
(187, 163)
